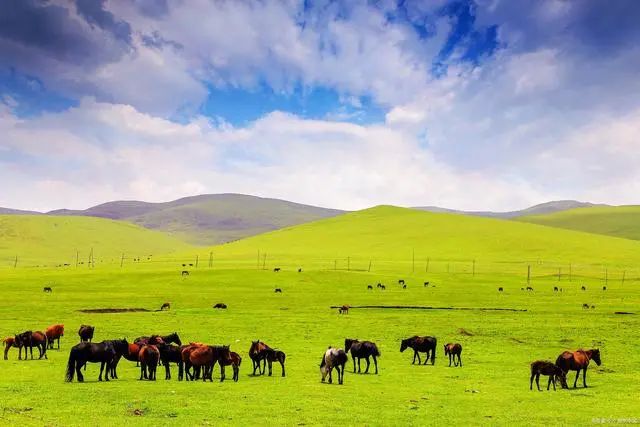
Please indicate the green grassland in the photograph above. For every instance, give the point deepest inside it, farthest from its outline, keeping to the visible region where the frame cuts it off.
(491, 388)
(618, 221)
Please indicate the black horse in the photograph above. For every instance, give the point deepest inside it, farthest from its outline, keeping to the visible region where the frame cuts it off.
(421, 344)
(362, 350)
(167, 339)
(28, 340)
(103, 353)
(170, 353)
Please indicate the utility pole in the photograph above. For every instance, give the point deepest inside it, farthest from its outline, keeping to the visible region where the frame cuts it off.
(15, 264)
(528, 274)
(197, 258)
(122, 260)
(369, 269)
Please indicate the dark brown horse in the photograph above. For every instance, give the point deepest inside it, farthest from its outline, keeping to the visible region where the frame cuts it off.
(149, 357)
(260, 351)
(544, 367)
(576, 361)
(234, 360)
(86, 333)
(421, 344)
(333, 358)
(104, 353)
(53, 333)
(166, 305)
(453, 350)
(362, 350)
(28, 340)
(8, 343)
(344, 309)
(205, 358)
(170, 353)
(185, 354)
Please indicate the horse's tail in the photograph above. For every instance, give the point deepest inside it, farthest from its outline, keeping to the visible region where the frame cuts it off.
(324, 362)
(376, 351)
(281, 356)
(71, 365)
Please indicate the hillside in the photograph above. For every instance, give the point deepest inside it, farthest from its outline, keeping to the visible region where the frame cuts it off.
(542, 208)
(40, 239)
(618, 221)
(391, 233)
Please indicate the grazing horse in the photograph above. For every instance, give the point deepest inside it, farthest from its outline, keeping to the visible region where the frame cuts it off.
(149, 357)
(343, 310)
(604, 288)
(585, 306)
(421, 344)
(426, 284)
(8, 343)
(369, 287)
(28, 340)
(220, 305)
(404, 286)
(500, 289)
(275, 270)
(260, 351)
(555, 289)
(278, 291)
(170, 353)
(379, 285)
(104, 353)
(54, 332)
(300, 270)
(86, 333)
(576, 361)
(401, 282)
(362, 350)
(234, 360)
(584, 288)
(333, 358)
(453, 350)
(165, 305)
(543, 367)
(529, 288)
(205, 357)
(47, 289)
(383, 287)
(184, 273)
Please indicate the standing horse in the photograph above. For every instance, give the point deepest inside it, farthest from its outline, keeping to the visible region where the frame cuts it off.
(333, 358)
(54, 332)
(234, 360)
(103, 353)
(362, 350)
(149, 357)
(344, 309)
(543, 367)
(421, 344)
(260, 351)
(28, 340)
(205, 358)
(8, 343)
(185, 353)
(453, 350)
(86, 333)
(576, 361)
(170, 353)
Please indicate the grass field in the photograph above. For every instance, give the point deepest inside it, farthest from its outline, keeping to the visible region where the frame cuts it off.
(491, 388)
(618, 221)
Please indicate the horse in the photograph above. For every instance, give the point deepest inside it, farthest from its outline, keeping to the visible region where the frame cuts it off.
(278, 291)
(426, 284)
(555, 289)
(234, 360)
(401, 282)
(404, 286)
(585, 306)
(54, 332)
(300, 270)
(185, 353)
(421, 344)
(275, 270)
(452, 350)
(149, 357)
(184, 273)
(379, 285)
(369, 287)
(500, 289)
(584, 288)
(8, 343)
(159, 339)
(205, 357)
(104, 353)
(333, 358)
(604, 288)
(28, 340)
(260, 351)
(86, 333)
(47, 289)
(220, 305)
(544, 367)
(344, 309)
(170, 353)
(529, 288)
(362, 350)
(576, 361)
(165, 305)
(383, 287)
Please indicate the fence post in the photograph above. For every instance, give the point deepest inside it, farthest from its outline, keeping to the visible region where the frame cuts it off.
(122, 260)
(624, 273)
(369, 269)
(529, 274)
(15, 264)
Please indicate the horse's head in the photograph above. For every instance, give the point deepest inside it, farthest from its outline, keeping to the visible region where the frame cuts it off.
(175, 338)
(446, 349)
(561, 376)
(403, 345)
(348, 342)
(595, 356)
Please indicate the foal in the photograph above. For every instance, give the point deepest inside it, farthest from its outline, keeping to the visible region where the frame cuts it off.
(544, 367)
(453, 351)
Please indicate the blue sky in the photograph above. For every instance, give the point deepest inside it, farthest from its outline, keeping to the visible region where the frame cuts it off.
(485, 104)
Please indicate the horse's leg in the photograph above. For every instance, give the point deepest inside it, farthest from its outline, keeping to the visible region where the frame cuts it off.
(459, 360)
(78, 372)
(58, 343)
(222, 373)
(282, 365)
(101, 369)
(575, 383)
(330, 377)
(366, 371)
(375, 362)
(354, 362)
(450, 360)
(584, 377)
(167, 371)
(264, 365)
(533, 375)
(270, 363)
(538, 380)
(549, 383)
(426, 357)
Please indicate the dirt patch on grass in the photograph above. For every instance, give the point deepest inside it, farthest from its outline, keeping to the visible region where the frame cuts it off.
(623, 312)
(464, 332)
(114, 310)
(517, 340)
(421, 307)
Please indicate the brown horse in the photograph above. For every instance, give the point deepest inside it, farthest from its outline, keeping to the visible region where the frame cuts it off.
(166, 305)
(206, 357)
(234, 360)
(149, 357)
(421, 344)
(344, 309)
(260, 351)
(54, 332)
(543, 367)
(576, 361)
(185, 354)
(131, 354)
(333, 358)
(28, 340)
(362, 350)
(453, 350)
(86, 333)
(8, 343)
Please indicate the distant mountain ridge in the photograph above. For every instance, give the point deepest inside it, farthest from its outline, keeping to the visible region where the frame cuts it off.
(540, 209)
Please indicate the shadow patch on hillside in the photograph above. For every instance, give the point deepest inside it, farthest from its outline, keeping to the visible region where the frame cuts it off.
(114, 310)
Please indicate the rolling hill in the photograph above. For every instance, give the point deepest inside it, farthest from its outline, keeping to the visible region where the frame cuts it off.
(41, 239)
(542, 208)
(618, 221)
(394, 234)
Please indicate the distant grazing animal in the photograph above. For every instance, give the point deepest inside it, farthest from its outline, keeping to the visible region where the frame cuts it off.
(555, 289)
(604, 288)
(369, 287)
(379, 285)
(500, 290)
(585, 306)
(220, 305)
(584, 288)
(184, 273)
(261, 352)
(165, 305)
(234, 360)
(401, 282)
(149, 357)
(383, 287)
(333, 358)
(8, 343)
(576, 361)
(53, 333)
(47, 289)
(560, 289)
(299, 271)
(344, 309)
(550, 369)
(421, 344)
(453, 350)
(362, 350)
(593, 306)
(529, 288)
(278, 291)
(275, 270)
(86, 332)
(426, 284)
(159, 339)
(28, 340)
(184, 265)
(104, 353)
(190, 265)
(404, 286)
(522, 289)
